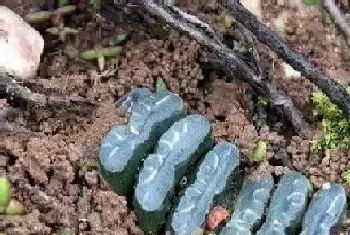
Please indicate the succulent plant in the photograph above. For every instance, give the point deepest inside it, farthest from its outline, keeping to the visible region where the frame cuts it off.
(326, 210)
(177, 149)
(177, 188)
(250, 206)
(213, 177)
(124, 147)
(288, 205)
(100, 54)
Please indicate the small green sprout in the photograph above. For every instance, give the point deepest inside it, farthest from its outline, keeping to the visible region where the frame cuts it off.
(260, 151)
(62, 3)
(100, 54)
(82, 163)
(5, 191)
(326, 17)
(14, 208)
(96, 5)
(310, 2)
(120, 38)
(262, 100)
(45, 16)
(228, 21)
(160, 85)
(64, 231)
(38, 17)
(62, 31)
(347, 176)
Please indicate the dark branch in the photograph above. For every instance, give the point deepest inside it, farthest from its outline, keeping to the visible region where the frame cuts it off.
(226, 60)
(335, 91)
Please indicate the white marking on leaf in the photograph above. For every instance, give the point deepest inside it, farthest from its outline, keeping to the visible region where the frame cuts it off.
(152, 175)
(185, 127)
(107, 144)
(134, 130)
(111, 154)
(168, 143)
(162, 100)
(176, 137)
(248, 214)
(188, 209)
(160, 158)
(331, 208)
(119, 137)
(216, 160)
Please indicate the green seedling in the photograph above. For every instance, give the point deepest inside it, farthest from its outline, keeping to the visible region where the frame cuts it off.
(228, 21)
(96, 5)
(260, 151)
(310, 2)
(64, 231)
(160, 85)
(14, 208)
(46, 16)
(38, 17)
(61, 31)
(5, 191)
(326, 17)
(262, 100)
(100, 54)
(120, 38)
(62, 3)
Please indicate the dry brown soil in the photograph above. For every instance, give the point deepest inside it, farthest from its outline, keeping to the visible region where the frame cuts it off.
(54, 169)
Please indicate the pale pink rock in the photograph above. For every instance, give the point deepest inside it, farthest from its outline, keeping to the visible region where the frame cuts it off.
(20, 45)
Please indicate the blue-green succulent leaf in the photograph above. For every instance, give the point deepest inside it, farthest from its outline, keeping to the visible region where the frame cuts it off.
(250, 206)
(326, 210)
(287, 206)
(212, 178)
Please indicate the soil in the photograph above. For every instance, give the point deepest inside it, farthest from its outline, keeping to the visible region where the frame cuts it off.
(54, 169)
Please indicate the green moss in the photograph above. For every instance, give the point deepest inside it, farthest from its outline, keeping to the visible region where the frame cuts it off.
(260, 151)
(336, 129)
(347, 176)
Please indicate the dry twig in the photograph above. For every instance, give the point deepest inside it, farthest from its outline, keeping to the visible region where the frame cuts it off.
(338, 18)
(335, 91)
(226, 60)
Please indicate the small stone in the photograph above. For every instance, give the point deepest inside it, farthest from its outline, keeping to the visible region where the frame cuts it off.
(91, 178)
(20, 44)
(290, 72)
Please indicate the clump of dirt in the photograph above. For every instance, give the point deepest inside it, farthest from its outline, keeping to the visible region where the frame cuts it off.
(299, 149)
(175, 60)
(330, 168)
